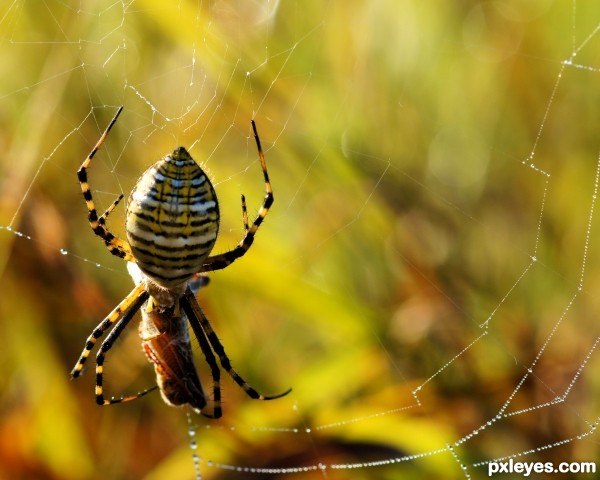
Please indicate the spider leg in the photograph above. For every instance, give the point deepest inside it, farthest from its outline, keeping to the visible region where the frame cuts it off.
(198, 281)
(220, 261)
(131, 301)
(115, 245)
(195, 283)
(245, 214)
(203, 328)
(106, 346)
(192, 315)
(102, 218)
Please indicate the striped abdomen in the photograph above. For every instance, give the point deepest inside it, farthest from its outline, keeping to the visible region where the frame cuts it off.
(172, 219)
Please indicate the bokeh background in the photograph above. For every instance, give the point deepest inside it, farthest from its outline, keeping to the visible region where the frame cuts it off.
(421, 154)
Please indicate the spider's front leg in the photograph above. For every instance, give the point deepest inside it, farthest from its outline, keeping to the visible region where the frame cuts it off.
(107, 345)
(122, 313)
(209, 343)
(119, 318)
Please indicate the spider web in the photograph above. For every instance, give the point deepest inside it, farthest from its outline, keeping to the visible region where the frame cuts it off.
(425, 280)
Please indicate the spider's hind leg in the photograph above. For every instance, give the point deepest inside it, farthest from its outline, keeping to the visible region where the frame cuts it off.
(116, 246)
(223, 260)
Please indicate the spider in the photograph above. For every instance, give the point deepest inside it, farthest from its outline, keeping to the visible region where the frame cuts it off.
(172, 221)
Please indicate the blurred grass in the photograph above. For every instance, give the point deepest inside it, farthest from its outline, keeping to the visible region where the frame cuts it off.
(394, 134)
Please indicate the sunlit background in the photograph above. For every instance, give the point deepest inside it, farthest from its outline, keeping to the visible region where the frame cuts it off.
(433, 235)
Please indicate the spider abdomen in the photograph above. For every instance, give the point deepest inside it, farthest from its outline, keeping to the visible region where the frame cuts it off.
(172, 219)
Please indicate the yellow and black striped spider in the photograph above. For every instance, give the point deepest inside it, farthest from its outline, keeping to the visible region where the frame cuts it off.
(172, 221)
